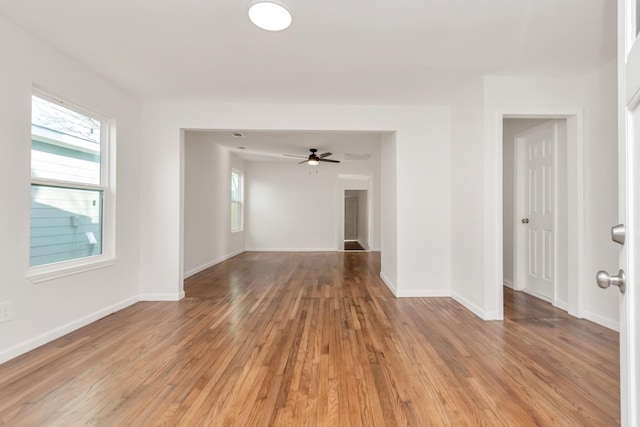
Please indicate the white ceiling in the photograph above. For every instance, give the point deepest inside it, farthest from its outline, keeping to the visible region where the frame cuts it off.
(272, 145)
(336, 51)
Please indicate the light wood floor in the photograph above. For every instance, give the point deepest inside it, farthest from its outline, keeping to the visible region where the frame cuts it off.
(274, 339)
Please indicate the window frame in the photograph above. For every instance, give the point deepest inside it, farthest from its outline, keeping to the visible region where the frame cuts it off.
(55, 270)
(240, 200)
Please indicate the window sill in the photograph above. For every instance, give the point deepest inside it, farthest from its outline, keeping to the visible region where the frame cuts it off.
(57, 271)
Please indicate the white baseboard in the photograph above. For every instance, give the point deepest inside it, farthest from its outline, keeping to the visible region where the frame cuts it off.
(162, 297)
(602, 321)
(537, 295)
(290, 249)
(33, 343)
(203, 267)
(413, 293)
(478, 311)
(423, 293)
(389, 284)
(561, 305)
(508, 284)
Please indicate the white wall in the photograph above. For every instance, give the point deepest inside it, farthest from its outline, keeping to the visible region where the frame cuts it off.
(467, 193)
(511, 127)
(601, 193)
(422, 136)
(291, 207)
(44, 311)
(477, 242)
(208, 239)
(388, 210)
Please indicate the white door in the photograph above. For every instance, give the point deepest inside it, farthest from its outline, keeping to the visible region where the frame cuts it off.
(350, 218)
(629, 183)
(535, 185)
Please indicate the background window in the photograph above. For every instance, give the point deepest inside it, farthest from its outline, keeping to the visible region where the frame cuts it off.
(236, 200)
(67, 183)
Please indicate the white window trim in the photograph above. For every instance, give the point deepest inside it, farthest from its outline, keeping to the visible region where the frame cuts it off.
(240, 201)
(52, 271)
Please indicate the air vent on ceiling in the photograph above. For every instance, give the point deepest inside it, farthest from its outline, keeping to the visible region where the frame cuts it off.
(357, 156)
(237, 135)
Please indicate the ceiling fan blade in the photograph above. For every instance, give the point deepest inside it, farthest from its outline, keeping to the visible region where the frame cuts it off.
(329, 160)
(294, 155)
(323, 155)
(304, 161)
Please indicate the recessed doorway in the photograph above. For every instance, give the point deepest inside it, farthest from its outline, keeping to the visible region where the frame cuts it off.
(535, 245)
(356, 220)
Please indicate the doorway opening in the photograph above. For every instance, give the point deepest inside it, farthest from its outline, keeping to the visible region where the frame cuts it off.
(536, 248)
(356, 220)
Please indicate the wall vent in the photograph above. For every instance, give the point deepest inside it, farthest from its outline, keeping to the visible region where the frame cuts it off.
(237, 135)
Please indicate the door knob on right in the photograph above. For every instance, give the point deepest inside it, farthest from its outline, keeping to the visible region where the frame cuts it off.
(525, 220)
(605, 280)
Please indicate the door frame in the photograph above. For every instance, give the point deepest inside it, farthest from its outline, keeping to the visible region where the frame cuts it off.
(519, 200)
(352, 182)
(345, 212)
(575, 201)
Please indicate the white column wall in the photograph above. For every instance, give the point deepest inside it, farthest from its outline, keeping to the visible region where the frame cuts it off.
(388, 210)
(467, 193)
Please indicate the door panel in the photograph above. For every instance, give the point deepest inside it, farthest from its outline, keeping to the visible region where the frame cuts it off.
(538, 207)
(629, 194)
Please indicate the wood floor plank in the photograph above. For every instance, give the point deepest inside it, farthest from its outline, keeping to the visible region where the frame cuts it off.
(316, 339)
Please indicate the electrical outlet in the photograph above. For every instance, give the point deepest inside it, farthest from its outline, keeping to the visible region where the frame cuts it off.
(6, 311)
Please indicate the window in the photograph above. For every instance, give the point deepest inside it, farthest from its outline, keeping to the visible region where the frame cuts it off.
(236, 200)
(68, 183)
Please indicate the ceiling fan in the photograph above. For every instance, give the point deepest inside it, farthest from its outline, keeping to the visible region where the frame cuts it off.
(314, 159)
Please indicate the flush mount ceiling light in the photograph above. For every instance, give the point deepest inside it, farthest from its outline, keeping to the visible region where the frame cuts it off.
(270, 15)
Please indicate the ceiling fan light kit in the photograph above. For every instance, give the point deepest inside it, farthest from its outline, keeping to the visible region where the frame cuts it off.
(313, 159)
(270, 15)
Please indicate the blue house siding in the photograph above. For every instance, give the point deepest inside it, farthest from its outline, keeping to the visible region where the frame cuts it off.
(65, 223)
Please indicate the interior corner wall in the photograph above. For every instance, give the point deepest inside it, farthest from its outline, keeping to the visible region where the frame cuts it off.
(45, 311)
(208, 238)
(422, 140)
